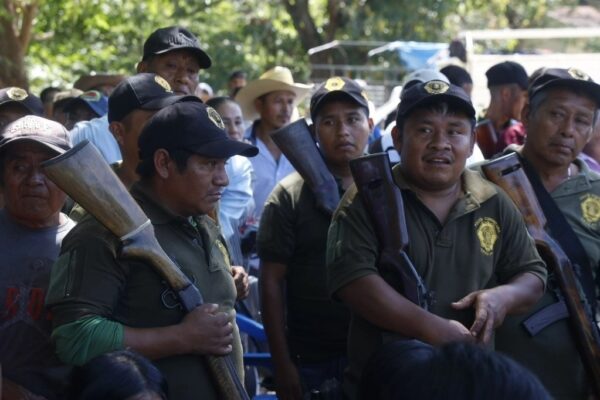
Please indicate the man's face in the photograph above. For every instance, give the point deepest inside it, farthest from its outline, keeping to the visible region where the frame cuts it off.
(30, 197)
(78, 113)
(342, 130)
(275, 108)
(128, 131)
(231, 114)
(11, 112)
(179, 67)
(517, 102)
(434, 148)
(559, 129)
(197, 189)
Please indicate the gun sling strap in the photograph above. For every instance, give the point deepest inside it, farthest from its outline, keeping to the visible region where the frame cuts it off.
(562, 232)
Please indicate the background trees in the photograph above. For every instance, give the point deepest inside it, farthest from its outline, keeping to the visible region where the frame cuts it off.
(45, 42)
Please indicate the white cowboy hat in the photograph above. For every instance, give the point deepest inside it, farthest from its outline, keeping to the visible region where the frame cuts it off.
(278, 78)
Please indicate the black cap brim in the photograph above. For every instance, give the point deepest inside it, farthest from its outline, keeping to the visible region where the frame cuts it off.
(225, 149)
(589, 87)
(338, 95)
(439, 98)
(204, 60)
(161, 103)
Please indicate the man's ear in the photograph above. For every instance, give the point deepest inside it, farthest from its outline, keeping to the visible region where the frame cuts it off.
(142, 66)
(117, 129)
(162, 163)
(397, 139)
(525, 115)
(371, 124)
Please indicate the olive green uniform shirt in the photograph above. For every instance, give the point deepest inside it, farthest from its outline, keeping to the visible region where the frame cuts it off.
(483, 243)
(552, 354)
(294, 232)
(91, 280)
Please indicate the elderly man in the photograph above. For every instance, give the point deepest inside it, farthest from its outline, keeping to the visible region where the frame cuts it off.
(269, 101)
(468, 241)
(560, 117)
(31, 230)
(114, 303)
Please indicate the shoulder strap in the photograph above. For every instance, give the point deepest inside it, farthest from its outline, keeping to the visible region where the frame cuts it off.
(561, 231)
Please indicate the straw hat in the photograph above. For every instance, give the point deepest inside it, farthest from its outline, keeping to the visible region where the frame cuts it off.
(278, 78)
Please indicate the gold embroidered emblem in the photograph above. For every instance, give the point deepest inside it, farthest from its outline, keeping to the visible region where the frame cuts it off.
(436, 87)
(163, 83)
(16, 94)
(224, 251)
(487, 233)
(214, 116)
(590, 208)
(578, 74)
(335, 83)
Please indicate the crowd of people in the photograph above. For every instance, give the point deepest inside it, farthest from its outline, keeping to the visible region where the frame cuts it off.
(242, 218)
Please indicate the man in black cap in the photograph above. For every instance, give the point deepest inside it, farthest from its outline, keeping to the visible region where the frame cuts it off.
(175, 54)
(133, 102)
(31, 230)
(116, 303)
(560, 117)
(16, 103)
(467, 240)
(306, 329)
(507, 82)
(88, 105)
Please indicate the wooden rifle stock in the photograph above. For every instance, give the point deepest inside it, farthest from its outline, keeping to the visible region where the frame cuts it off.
(83, 174)
(382, 199)
(487, 138)
(507, 172)
(298, 145)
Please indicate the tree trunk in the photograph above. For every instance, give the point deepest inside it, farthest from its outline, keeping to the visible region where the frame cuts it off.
(16, 24)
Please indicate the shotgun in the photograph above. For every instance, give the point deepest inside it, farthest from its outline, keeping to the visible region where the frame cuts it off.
(507, 172)
(382, 199)
(83, 174)
(296, 142)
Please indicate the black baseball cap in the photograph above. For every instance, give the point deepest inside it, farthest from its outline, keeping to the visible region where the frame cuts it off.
(20, 96)
(173, 38)
(337, 88)
(507, 72)
(571, 78)
(191, 126)
(49, 133)
(434, 92)
(144, 91)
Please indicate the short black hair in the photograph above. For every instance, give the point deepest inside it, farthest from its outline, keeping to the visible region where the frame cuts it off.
(116, 375)
(457, 75)
(237, 74)
(48, 93)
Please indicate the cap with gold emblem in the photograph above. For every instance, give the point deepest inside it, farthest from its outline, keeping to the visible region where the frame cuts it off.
(435, 91)
(193, 127)
(337, 88)
(572, 78)
(16, 95)
(142, 91)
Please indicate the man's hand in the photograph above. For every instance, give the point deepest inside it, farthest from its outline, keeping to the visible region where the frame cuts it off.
(287, 382)
(240, 277)
(205, 330)
(490, 310)
(447, 331)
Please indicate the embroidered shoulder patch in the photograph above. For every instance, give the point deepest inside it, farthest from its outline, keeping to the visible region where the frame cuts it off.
(590, 208)
(488, 231)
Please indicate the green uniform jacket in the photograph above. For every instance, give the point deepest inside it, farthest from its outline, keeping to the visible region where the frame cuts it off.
(482, 244)
(552, 354)
(90, 280)
(294, 232)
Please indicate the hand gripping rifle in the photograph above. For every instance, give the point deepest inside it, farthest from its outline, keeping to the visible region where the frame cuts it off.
(382, 199)
(298, 145)
(507, 172)
(83, 174)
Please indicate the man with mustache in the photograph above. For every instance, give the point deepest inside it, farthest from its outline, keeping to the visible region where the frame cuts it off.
(32, 228)
(468, 242)
(103, 302)
(560, 118)
(306, 329)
